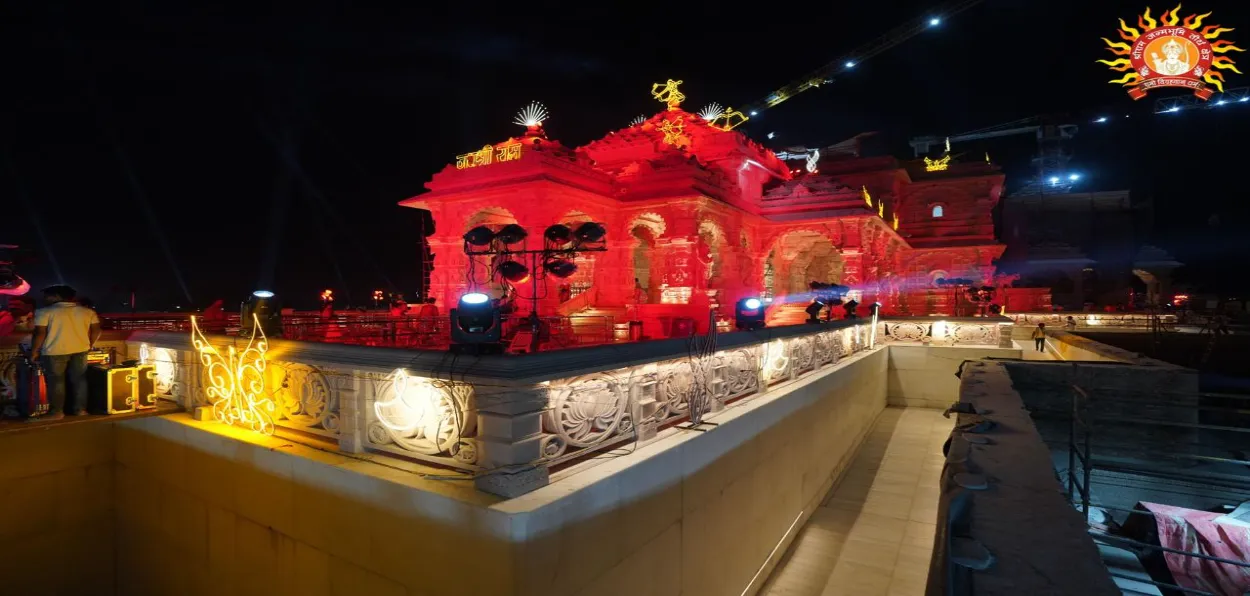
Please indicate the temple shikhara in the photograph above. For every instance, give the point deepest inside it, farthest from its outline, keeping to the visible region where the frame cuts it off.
(699, 215)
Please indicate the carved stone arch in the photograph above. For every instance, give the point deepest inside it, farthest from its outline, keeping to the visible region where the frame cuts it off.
(489, 216)
(654, 222)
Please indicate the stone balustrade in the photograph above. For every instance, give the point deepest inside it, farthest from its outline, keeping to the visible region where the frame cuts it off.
(1091, 320)
(947, 331)
(508, 420)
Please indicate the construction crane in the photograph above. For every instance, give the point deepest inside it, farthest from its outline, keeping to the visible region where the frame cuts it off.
(828, 73)
(1051, 160)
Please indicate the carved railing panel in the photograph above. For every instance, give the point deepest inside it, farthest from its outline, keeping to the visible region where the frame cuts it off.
(429, 419)
(599, 411)
(940, 332)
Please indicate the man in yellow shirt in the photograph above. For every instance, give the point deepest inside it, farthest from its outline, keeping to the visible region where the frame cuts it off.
(1039, 337)
(64, 333)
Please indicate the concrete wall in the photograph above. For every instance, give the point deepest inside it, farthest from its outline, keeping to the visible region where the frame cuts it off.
(922, 376)
(225, 511)
(56, 509)
(216, 510)
(698, 513)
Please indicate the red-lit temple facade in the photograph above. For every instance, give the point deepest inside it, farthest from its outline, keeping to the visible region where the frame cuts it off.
(698, 217)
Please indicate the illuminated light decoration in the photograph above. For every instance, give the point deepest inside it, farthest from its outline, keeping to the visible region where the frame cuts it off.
(532, 116)
(867, 197)
(772, 134)
(639, 119)
(479, 236)
(937, 165)
(812, 158)
(881, 209)
(730, 119)
(327, 295)
(987, 157)
(514, 272)
(711, 111)
(236, 381)
(1170, 53)
(668, 94)
(895, 221)
(674, 132)
(948, 145)
(488, 155)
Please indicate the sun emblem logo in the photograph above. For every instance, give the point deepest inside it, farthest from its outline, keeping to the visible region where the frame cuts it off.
(1171, 53)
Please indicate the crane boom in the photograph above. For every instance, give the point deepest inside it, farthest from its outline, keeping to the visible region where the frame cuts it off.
(825, 74)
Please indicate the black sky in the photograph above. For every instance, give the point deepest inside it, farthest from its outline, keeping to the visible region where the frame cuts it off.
(198, 152)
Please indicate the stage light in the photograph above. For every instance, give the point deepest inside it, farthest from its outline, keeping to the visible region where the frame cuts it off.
(531, 115)
(754, 113)
(560, 267)
(749, 314)
(479, 236)
(1220, 102)
(261, 308)
(1054, 180)
(1101, 119)
(772, 134)
(511, 234)
(558, 234)
(475, 325)
(813, 311)
(514, 272)
(1074, 177)
(1243, 99)
(850, 64)
(474, 298)
(1172, 109)
(590, 232)
(934, 22)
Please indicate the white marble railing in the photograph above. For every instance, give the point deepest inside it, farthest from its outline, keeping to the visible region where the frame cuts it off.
(507, 419)
(948, 331)
(1091, 320)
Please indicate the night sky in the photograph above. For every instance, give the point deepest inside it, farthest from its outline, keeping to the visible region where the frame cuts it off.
(196, 151)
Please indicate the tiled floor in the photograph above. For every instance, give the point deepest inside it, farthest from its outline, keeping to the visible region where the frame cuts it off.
(874, 534)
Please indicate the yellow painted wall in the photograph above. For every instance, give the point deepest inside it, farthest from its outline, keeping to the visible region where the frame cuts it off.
(56, 510)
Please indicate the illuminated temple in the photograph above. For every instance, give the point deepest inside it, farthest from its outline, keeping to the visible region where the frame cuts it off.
(699, 215)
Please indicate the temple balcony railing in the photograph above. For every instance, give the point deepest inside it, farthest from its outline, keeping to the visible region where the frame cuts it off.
(508, 420)
(946, 331)
(1094, 321)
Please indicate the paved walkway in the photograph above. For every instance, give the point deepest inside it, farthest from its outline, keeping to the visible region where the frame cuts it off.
(874, 534)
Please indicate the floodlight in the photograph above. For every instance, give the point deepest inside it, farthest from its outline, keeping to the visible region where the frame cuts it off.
(558, 234)
(560, 267)
(511, 234)
(590, 232)
(479, 236)
(263, 294)
(934, 22)
(514, 272)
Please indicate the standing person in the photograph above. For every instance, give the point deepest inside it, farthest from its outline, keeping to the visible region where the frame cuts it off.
(64, 333)
(1039, 337)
